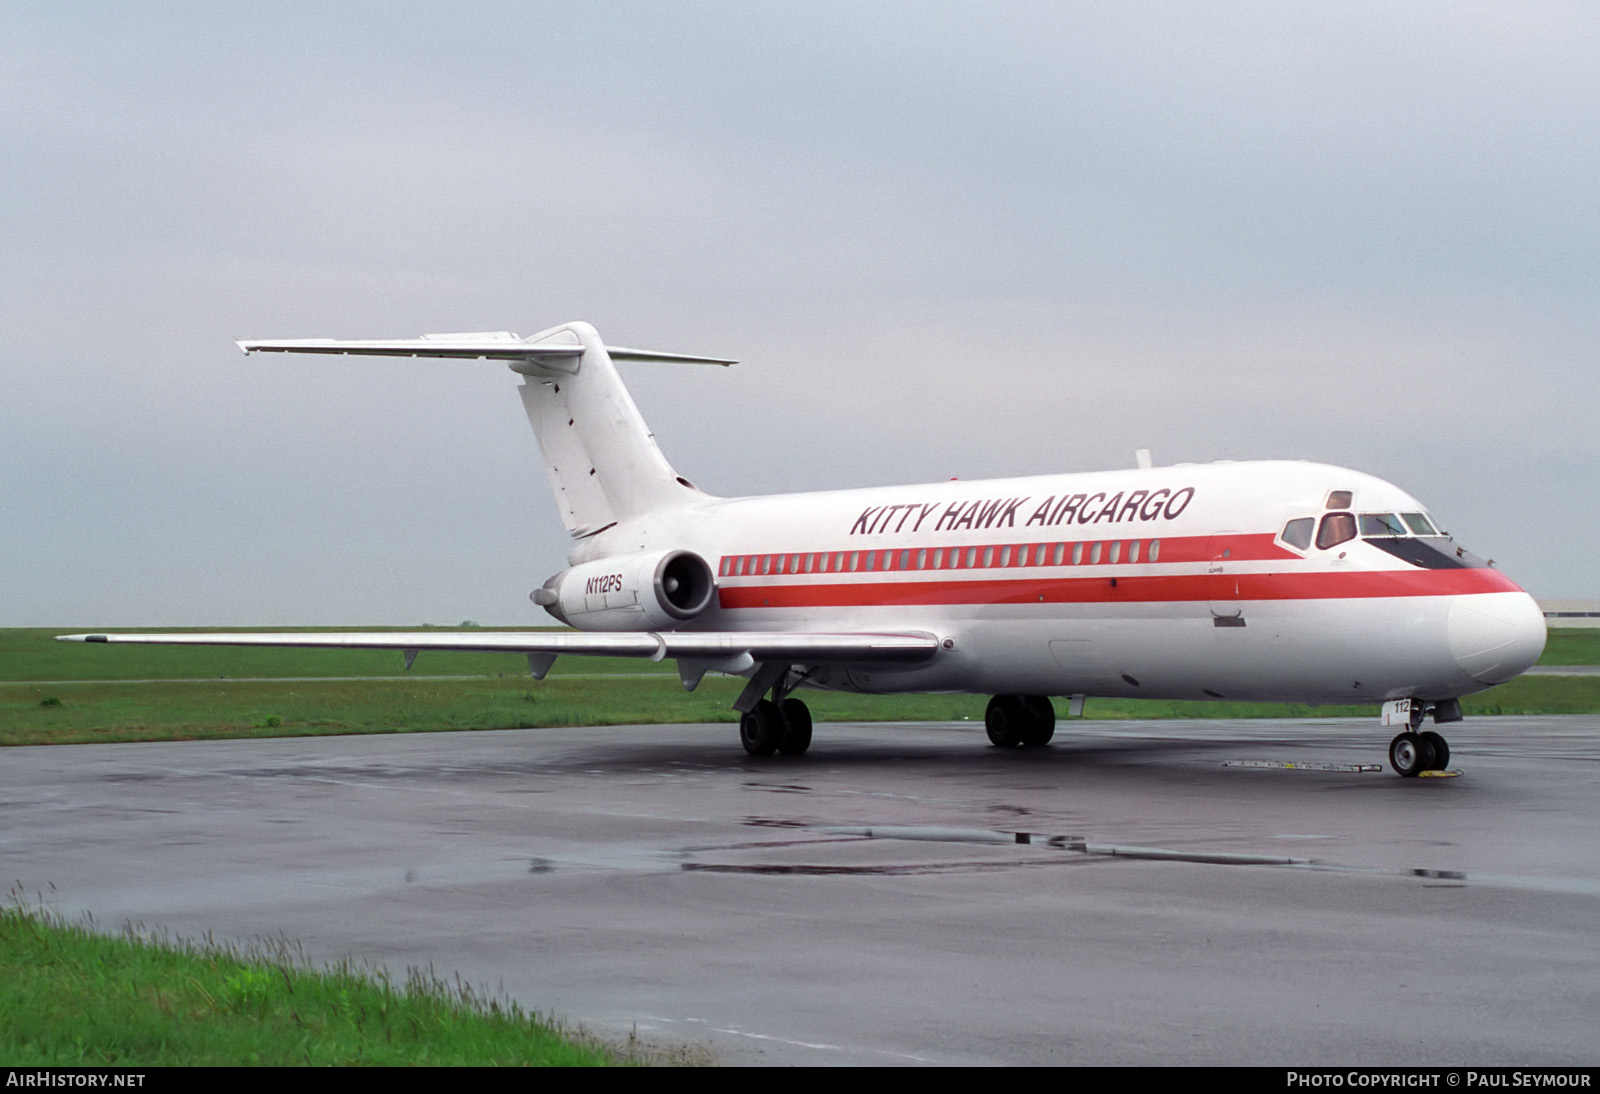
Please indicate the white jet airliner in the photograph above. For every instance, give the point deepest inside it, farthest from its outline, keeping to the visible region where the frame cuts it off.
(1278, 581)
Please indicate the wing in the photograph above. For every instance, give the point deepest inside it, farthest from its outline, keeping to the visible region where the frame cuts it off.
(697, 652)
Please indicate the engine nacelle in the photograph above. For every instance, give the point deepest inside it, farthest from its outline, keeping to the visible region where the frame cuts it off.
(657, 591)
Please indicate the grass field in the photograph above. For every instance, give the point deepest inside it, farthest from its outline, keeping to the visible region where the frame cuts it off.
(75, 997)
(30, 653)
(1571, 646)
(59, 693)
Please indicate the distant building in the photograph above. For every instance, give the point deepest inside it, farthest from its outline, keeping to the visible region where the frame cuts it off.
(1570, 613)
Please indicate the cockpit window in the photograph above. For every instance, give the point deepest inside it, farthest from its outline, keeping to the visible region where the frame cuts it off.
(1336, 529)
(1420, 525)
(1338, 499)
(1297, 533)
(1381, 524)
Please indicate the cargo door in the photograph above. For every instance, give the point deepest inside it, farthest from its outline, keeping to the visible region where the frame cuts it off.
(1222, 580)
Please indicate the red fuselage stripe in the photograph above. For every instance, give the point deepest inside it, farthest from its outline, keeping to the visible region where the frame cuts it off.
(1109, 589)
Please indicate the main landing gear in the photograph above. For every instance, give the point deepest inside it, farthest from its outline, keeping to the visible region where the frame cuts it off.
(1412, 752)
(1013, 720)
(776, 727)
(779, 724)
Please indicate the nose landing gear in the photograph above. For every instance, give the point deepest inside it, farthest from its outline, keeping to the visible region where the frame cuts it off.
(1412, 752)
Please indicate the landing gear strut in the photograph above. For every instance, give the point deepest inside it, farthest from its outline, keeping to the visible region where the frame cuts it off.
(1013, 720)
(780, 724)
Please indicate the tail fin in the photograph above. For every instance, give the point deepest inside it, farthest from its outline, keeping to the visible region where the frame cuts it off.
(603, 460)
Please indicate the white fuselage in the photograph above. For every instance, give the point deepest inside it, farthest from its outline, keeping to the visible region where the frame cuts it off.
(1167, 582)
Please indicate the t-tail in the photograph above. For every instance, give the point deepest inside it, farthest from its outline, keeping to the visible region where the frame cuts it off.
(603, 461)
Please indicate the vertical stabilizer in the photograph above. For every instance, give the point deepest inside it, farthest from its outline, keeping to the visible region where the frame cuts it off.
(603, 460)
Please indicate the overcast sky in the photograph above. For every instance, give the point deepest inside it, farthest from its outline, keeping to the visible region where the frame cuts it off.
(944, 239)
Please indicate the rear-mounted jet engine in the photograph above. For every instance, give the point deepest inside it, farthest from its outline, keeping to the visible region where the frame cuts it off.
(656, 591)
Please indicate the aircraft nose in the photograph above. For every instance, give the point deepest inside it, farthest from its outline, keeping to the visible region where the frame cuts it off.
(1495, 636)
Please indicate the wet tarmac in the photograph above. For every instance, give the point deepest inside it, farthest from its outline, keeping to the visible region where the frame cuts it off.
(1138, 892)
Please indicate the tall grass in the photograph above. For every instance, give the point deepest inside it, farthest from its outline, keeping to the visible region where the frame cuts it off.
(74, 997)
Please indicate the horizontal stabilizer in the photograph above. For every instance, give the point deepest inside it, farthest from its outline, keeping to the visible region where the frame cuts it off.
(623, 353)
(796, 646)
(488, 346)
(603, 462)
